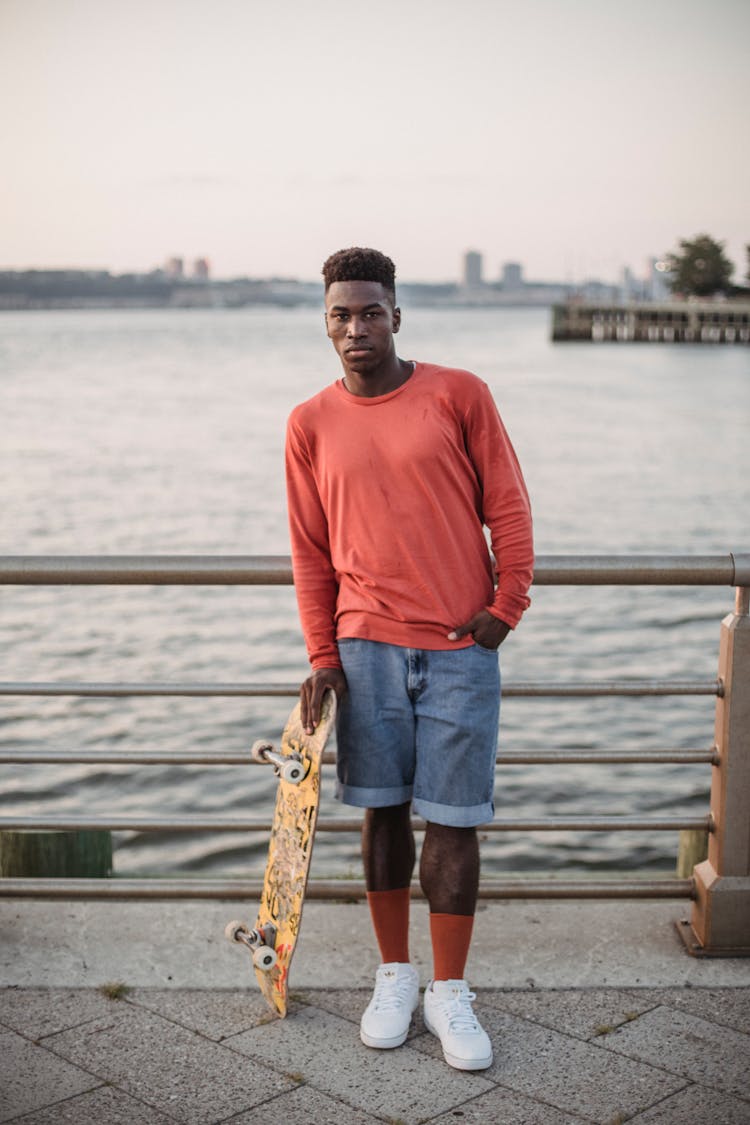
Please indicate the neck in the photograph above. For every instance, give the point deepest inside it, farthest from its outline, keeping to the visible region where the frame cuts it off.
(379, 381)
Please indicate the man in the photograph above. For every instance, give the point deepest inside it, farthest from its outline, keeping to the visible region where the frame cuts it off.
(392, 474)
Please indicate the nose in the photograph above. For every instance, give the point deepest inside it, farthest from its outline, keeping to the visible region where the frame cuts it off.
(356, 328)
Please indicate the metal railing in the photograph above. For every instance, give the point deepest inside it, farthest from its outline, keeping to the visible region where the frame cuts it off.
(720, 886)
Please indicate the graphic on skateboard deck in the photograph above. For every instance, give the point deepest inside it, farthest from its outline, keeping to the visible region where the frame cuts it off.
(274, 936)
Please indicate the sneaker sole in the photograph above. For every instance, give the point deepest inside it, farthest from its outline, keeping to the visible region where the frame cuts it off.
(383, 1044)
(467, 1064)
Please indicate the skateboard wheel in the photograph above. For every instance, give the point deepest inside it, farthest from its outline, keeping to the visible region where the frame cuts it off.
(260, 749)
(264, 958)
(293, 772)
(232, 930)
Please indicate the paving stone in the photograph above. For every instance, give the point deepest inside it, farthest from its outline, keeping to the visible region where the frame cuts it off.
(727, 1006)
(33, 1078)
(327, 1052)
(687, 1045)
(695, 1104)
(215, 1014)
(582, 1013)
(563, 1071)
(506, 1107)
(351, 1003)
(147, 1045)
(105, 1106)
(37, 1012)
(168, 1067)
(305, 1106)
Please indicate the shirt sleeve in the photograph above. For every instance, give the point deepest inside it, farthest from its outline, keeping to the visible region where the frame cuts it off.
(506, 507)
(315, 579)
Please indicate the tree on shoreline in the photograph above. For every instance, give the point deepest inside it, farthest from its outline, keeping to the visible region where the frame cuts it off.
(700, 268)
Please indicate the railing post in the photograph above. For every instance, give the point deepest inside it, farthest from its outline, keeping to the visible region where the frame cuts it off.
(721, 911)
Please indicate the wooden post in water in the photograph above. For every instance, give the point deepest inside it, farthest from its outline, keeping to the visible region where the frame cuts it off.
(61, 855)
(720, 918)
(693, 849)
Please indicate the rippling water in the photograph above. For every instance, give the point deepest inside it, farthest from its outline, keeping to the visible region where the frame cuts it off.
(162, 432)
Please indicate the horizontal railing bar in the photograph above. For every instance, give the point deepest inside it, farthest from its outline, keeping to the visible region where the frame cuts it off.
(578, 689)
(201, 758)
(267, 570)
(126, 689)
(605, 757)
(521, 690)
(635, 570)
(146, 570)
(341, 824)
(249, 890)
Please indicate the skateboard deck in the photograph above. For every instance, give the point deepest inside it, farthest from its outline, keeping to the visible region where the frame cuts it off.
(274, 936)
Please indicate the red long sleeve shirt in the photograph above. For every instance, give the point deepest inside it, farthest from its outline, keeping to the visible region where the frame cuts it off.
(388, 499)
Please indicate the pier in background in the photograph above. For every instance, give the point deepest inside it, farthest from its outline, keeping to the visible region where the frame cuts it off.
(674, 322)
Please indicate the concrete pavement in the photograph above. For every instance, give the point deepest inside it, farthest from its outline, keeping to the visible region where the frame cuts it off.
(596, 1013)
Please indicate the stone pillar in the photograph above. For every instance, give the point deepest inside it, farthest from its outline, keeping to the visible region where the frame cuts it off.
(720, 917)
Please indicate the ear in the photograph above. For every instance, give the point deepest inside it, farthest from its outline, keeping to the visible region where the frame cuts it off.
(325, 321)
(396, 319)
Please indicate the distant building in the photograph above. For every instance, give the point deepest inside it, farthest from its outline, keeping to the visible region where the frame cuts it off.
(512, 276)
(472, 269)
(631, 289)
(201, 269)
(174, 267)
(658, 278)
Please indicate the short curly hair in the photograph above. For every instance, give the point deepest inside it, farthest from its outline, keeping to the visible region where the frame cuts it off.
(359, 263)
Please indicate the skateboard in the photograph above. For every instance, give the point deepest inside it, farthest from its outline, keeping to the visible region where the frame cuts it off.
(273, 938)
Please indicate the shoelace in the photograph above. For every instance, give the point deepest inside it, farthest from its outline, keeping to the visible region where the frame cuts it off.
(390, 991)
(460, 1013)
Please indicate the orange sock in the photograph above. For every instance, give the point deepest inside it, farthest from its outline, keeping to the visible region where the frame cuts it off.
(390, 918)
(451, 938)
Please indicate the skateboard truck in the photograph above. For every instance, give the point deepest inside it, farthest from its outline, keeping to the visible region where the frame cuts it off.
(260, 942)
(289, 767)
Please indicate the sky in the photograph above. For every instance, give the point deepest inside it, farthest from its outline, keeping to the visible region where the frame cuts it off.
(573, 136)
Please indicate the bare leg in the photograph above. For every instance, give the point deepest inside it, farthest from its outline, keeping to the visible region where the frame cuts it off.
(449, 869)
(388, 848)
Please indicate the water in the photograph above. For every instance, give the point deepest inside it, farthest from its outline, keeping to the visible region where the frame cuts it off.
(162, 432)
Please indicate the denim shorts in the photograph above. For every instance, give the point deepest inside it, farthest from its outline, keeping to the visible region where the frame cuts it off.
(419, 725)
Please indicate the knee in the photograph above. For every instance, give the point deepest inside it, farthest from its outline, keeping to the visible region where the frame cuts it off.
(390, 816)
(449, 841)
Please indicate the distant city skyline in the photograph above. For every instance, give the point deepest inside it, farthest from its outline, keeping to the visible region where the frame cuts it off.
(471, 272)
(577, 139)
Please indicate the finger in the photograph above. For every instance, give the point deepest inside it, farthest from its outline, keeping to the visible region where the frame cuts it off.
(305, 708)
(462, 630)
(318, 689)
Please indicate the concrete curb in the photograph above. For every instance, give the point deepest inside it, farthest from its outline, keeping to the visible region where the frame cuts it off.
(548, 945)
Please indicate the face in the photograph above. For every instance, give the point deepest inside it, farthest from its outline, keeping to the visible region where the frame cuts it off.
(361, 321)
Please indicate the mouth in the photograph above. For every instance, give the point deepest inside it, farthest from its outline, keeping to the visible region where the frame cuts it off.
(357, 351)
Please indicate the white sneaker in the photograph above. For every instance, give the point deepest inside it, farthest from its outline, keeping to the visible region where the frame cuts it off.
(449, 1015)
(386, 1019)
